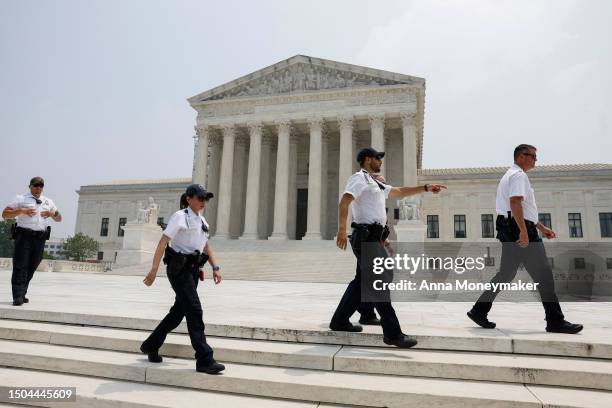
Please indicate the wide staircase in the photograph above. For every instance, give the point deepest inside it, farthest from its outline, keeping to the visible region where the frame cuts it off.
(296, 368)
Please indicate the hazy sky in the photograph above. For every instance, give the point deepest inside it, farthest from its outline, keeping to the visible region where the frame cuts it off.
(93, 91)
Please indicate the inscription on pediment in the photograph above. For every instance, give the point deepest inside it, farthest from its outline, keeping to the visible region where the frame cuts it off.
(303, 77)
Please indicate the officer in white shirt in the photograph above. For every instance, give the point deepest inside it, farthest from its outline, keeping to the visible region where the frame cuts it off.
(517, 228)
(367, 195)
(186, 247)
(32, 212)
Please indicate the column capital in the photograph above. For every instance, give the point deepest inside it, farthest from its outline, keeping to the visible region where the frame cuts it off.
(316, 123)
(255, 127)
(229, 130)
(283, 125)
(201, 130)
(377, 120)
(408, 118)
(346, 122)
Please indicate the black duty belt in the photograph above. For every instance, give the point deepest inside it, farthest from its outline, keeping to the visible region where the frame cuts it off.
(376, 231)
(31, 233)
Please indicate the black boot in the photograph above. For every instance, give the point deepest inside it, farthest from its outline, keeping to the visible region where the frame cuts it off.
(153, 356)
(402, 341)
(211, 368)
(480, 320)
(564, 327)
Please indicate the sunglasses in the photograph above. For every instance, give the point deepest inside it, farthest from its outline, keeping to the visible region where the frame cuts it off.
(38, 185)
(533, 156)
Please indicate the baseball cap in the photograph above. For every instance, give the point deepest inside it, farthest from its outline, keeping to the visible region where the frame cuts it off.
(369, 152)
(199, 191)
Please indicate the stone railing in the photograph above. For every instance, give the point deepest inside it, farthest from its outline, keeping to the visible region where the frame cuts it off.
(62, 266)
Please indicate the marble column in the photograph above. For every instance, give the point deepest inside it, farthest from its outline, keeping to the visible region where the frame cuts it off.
(200, 159)
(409, 153)
(225, 182)
(281, 193)
(315, 179)
(216, 143)
(377, 129)
(345, 165)
(251, 213)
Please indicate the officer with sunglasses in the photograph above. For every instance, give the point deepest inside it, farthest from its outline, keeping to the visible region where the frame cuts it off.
(185, 248)
(32, 212)
(366, 193)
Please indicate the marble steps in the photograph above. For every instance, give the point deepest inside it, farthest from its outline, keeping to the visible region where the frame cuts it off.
(480, 366)
(596, 345)
(94, 392)
(291, 383)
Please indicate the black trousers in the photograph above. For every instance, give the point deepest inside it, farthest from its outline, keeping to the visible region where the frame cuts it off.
(351, 300)
(187, 304)
(534, 258)
(29, 248)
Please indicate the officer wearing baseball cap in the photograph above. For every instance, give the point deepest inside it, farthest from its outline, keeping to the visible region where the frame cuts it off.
(367, 193)
(32, 212)
(185, 245)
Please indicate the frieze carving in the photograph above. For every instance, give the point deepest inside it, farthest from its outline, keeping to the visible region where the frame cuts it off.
(303, 77)
(351, 98)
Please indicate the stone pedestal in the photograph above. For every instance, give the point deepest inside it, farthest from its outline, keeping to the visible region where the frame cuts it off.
(139, 243)
(410, 231)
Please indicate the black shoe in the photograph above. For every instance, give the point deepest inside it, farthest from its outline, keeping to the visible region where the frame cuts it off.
(481, 320)
(153, 356)
(26, 300)
(18, 302)
(402, 341)
(347, 327)
(564, 327)
(211, 368)
(369, 321)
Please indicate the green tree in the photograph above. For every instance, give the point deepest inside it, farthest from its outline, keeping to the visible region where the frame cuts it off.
(80, 247)
(48, 256)
(6, 242)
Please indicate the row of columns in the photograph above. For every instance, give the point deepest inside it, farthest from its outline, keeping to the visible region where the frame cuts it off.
(318, 140)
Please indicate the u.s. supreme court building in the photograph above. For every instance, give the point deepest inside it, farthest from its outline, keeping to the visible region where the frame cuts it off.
(277, 146)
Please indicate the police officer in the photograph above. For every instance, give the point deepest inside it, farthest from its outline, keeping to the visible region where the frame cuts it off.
(368, 194)
(186, 248)
(32, 211)
(517, 228)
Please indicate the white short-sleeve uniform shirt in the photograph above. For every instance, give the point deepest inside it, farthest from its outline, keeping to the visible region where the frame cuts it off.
(515, 183)
(35, 222)
(185, 231)
(370, 195)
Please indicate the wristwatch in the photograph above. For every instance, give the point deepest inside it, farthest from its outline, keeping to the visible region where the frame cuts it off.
(426, 187)
(216, 268)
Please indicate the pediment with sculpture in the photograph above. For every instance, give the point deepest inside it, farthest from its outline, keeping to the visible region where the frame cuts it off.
(303, 77)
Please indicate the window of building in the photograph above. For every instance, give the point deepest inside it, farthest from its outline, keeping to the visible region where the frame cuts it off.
(100, 256)
(489, 261)
(545, 219)
(160, 222)
(122, 222)
(605, 224)
(551, 262)
(575, 225)
(487, 226)
(608, 263)
(433, 227)
(396, 213)
(460, 230)
(579, 263)
(104, 228)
